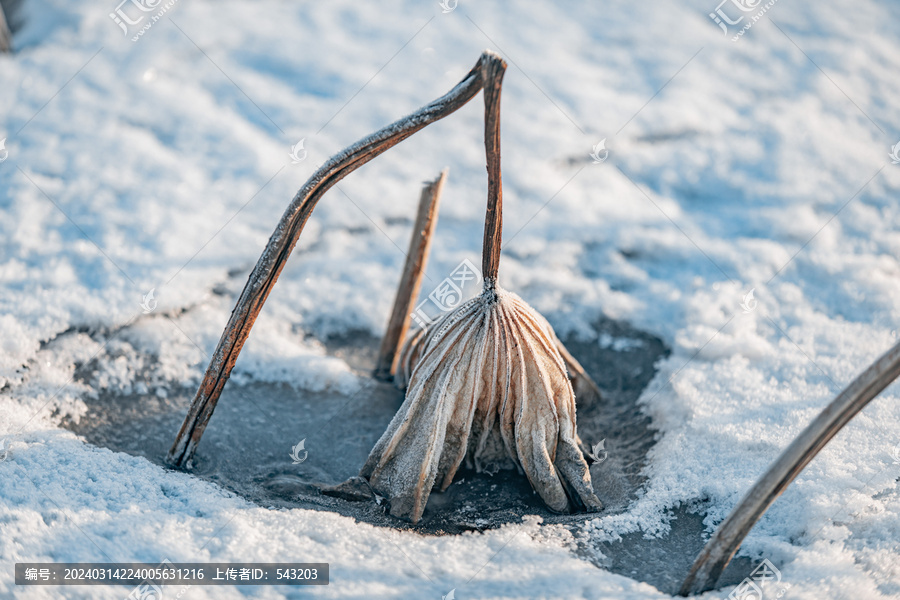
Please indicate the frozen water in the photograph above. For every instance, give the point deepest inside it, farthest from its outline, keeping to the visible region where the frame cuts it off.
(247, 445)
(246, 450)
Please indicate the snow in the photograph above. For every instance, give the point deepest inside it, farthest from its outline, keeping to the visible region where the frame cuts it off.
(163, 164)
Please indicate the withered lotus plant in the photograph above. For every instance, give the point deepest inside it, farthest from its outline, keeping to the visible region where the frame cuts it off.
(487, 384)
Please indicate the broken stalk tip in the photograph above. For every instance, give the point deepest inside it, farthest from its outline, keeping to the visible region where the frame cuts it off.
(411, 279)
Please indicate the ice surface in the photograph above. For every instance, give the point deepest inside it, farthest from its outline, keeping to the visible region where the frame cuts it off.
(761, 165)
(246, 448)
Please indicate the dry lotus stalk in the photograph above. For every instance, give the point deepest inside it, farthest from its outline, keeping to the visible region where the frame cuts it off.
(487, 383)
(280, 245)
(411, 280)
(726, 540)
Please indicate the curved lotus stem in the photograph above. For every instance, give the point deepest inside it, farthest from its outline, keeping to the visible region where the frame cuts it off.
(731, 532)
(487, 383)
(282, 242)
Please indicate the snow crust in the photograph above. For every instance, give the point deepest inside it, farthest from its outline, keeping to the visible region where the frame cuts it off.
(150, 165)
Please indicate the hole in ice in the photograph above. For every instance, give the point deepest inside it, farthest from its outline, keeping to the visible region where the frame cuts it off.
(249, 444)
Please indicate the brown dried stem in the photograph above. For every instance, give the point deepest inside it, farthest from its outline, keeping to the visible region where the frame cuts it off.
(731, 532)
(282, 242)
(411, 280)
(492, 72)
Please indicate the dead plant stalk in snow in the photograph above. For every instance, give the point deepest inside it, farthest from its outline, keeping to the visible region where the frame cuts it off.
(487, 383)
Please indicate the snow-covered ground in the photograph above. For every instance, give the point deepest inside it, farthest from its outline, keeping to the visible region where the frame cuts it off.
(162, 164)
